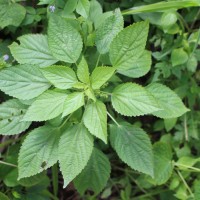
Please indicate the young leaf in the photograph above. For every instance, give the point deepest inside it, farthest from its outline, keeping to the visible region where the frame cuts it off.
(64, 40)
(33, 49)
(39, 151)
(133, 146)
(83, 71)
(100, 75)
(11, 114)
(61, 77)
(130, 99)
(83, 8)
(47, 106)
(11, 13)
(73, 102)
(178, 57)
(171, 104)
(129, 45)
(95, 119)
(162, 162)
(23, 81)
(108, 30)
(75, 149)
(140, 67)
(70, 6)
(95, 175)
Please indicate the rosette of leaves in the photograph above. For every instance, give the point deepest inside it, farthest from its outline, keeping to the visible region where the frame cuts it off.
(57, 82)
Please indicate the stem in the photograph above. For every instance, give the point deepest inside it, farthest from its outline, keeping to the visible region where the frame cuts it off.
(55, 179)
(61, 126)
(7, 142)
(97, 63)
(9, 164)
(185, 183)
(186, 128)
(188, 167)
(150, 194)
(113, 118)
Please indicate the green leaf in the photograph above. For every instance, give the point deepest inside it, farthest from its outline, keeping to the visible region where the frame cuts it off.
(47, 106)
(70, 6)
(196, 190)
(61, 77)
(171, 104)
(73, 102)
(130, 99)
(95, 119)
(23, 81)
(95, 175)
(39, 151)
(133, 146)
(83, 8)
(33, 49)
(178, 57)
(129, 45)
(108, 30)
(3, 196)
(100, 75)
(170, 123)
(162, 162)
(140, 67)
(75, 149)
(11, 13)
(83, 71)
(64, 40)
(11, 114)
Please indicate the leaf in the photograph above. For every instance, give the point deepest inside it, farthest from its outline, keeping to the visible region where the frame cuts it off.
(23, 81)
(128, 45)
(162, 162)
(61, 77)
(47, 106)
(178, 57)
(95, 175)
(75, 149)
(171, 104)
(100, 75)
(108, 30)
(83, 8)
(64, 40)
(83, 71)
(140, 67)
(11, 13)
(70, 6)
(131, 99)
(133, 146)
(73, 102)
(11, 114)
(196, 190)
(3, 196)
(33, 49)
(39, 151)
(95, 119)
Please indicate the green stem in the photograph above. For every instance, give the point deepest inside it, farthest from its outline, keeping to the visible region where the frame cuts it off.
(150, 194)
(55, 179)
(7, 142)
(61, 126)
(188, 167)
(9, 164)
(97, 63)
(113, 118)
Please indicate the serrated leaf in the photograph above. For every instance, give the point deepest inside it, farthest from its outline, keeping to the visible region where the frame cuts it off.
(64, 40)
(131, 99)
(11, 13)
(129, 45)
(11, 114)
(140, 67)
(75, 149)
(47, 106)
(162, 162)
(3, 196)
(33, 49)
(95, 175)
(100, 75)
(171, 104)
(95, 119)
(108, 30)
(133, 146)
(83, 8)
(23, 81)
(61, 77)
(39, 151)
(73, 102)
(83, 71)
